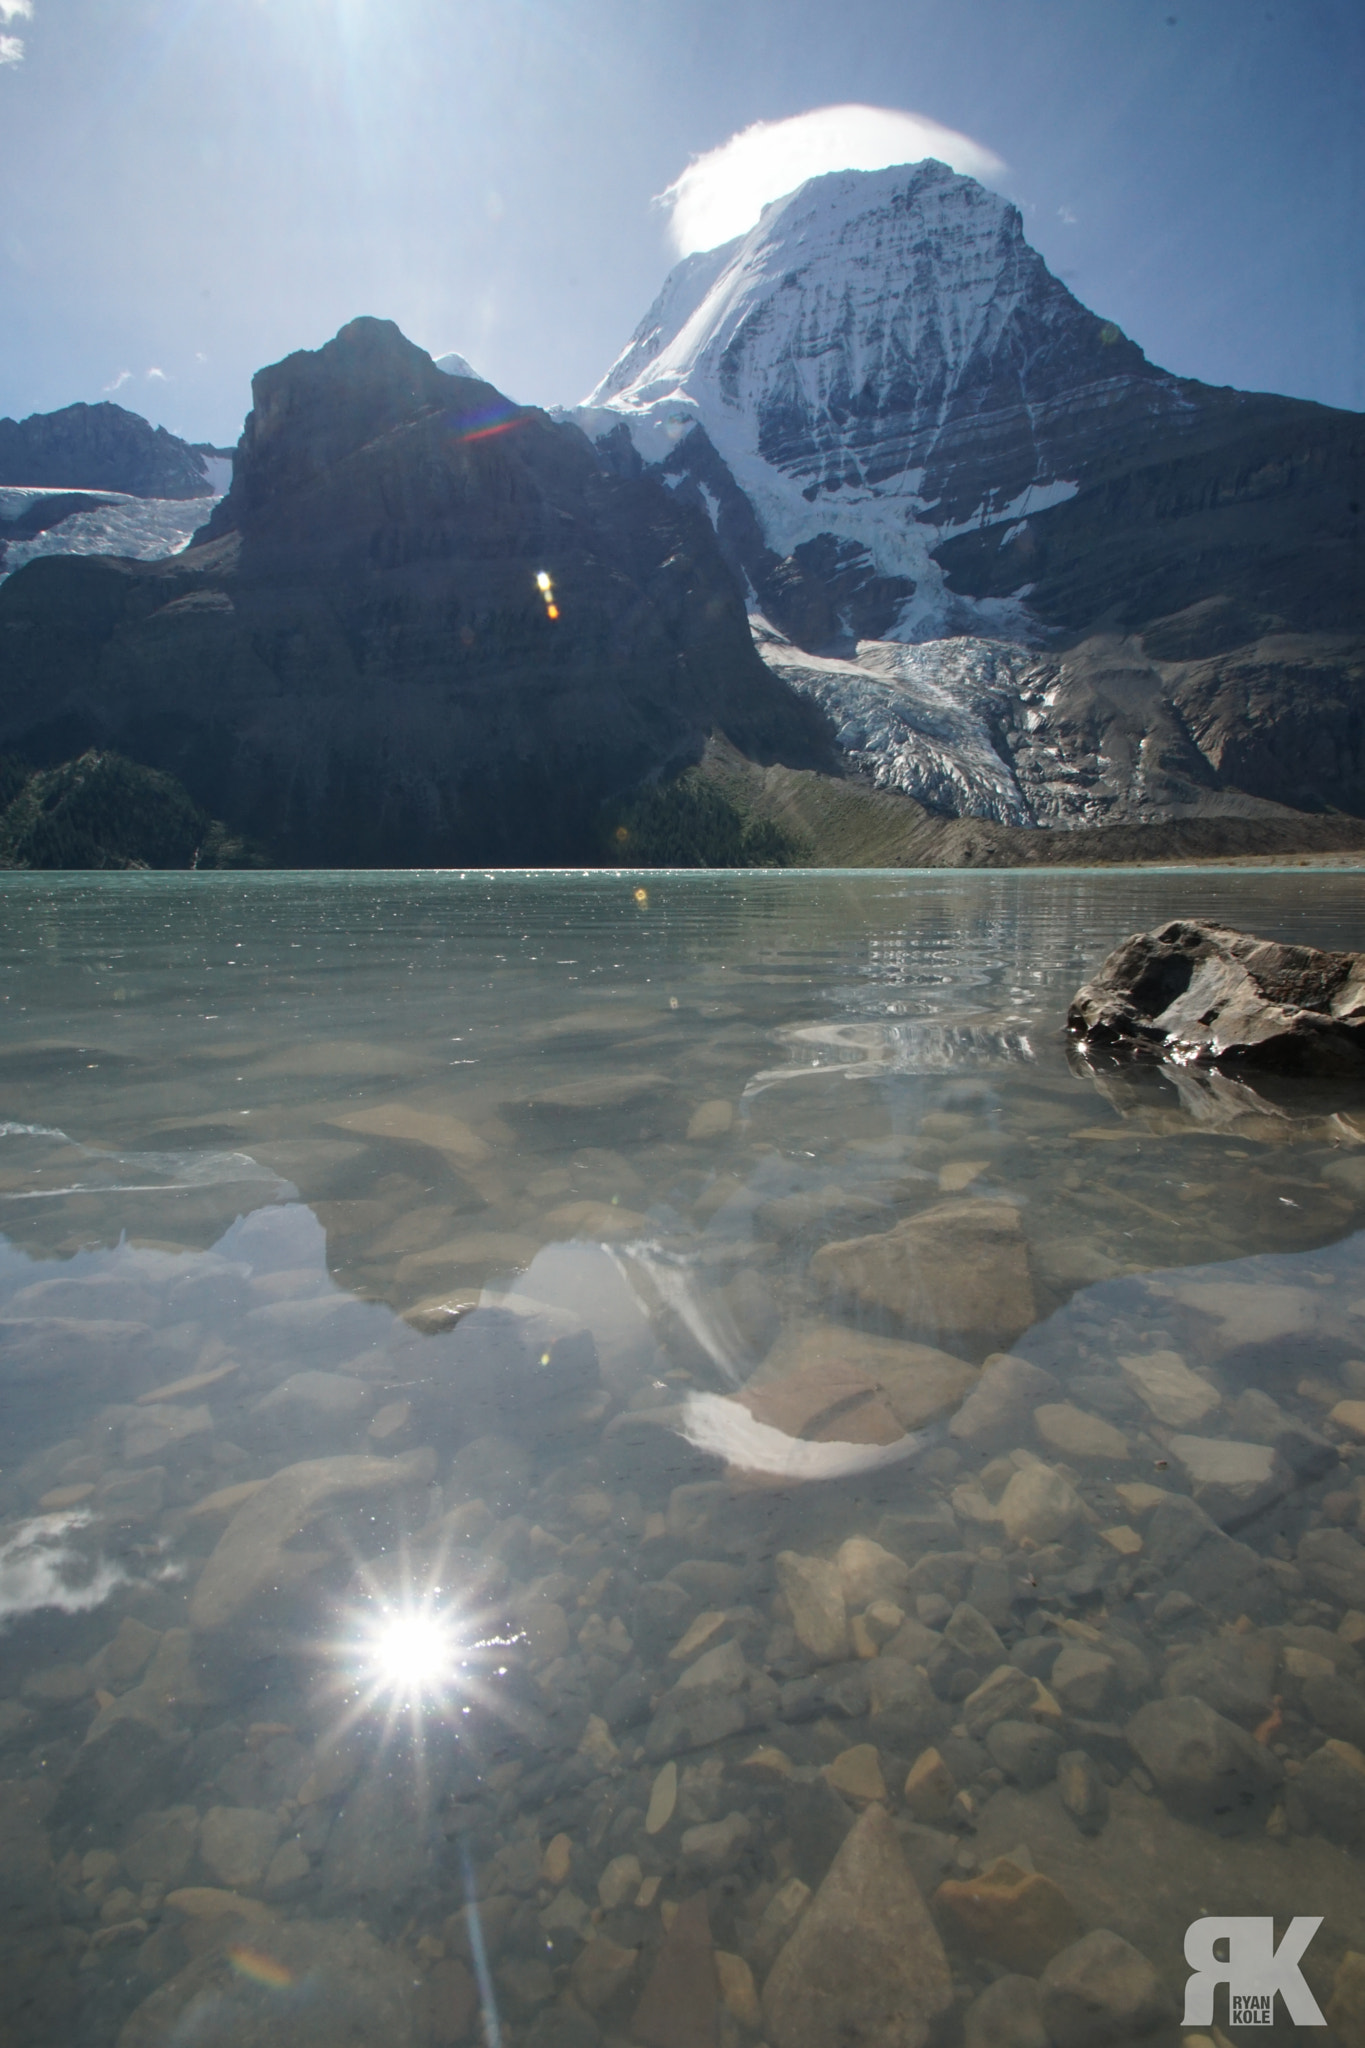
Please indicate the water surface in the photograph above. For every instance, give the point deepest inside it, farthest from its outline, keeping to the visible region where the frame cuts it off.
(495, 1447)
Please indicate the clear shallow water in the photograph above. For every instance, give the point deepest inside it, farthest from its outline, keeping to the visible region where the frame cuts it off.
(429, 1303)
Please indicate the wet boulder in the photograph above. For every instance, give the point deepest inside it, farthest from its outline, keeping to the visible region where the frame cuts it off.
(1202, 993)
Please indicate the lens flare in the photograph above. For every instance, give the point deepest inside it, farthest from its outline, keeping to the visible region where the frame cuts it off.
(260, 1968)
(486, 422)
(543, 580)
(545, 585)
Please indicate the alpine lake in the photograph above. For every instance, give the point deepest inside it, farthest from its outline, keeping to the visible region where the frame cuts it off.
(656, 1459)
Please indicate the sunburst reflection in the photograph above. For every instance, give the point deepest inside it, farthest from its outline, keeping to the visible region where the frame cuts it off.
(417, 1658)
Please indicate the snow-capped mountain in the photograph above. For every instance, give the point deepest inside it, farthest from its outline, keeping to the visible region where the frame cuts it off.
(883, 362)
(456, 365)
(930, 465)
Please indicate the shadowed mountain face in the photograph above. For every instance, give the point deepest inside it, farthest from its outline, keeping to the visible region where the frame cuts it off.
(356, 661)
(101, 448)
(910, 437)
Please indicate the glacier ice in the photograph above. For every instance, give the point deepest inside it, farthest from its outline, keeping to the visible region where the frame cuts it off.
(116, 524)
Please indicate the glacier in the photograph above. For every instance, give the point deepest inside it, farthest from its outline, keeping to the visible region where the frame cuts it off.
(116, 523)
(926, 719)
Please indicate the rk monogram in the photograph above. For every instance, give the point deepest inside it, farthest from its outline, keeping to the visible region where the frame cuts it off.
(1254, 1970)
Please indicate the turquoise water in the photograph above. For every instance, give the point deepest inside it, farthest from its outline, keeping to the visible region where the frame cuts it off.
(495, 1447)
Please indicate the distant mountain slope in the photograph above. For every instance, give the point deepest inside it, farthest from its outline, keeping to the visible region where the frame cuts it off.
(904, 429)
(356, 662)
(102, 448)
(98, 480)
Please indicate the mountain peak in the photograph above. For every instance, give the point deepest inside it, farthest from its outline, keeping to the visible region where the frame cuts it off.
(100, 447)
(881, 362)
(318, 406)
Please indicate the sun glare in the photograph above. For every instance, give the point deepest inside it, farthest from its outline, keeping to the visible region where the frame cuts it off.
(411, 1653)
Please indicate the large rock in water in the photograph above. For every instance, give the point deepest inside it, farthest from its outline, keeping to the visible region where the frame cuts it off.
(958, 1271)
(1195, 991)
(865, 1966)
(354, 662)
(251, 1556)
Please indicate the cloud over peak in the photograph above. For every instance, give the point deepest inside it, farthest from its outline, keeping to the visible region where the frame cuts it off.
(722, 193)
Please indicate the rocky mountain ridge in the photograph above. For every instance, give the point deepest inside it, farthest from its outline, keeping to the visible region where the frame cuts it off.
(996, 564)
(103, 448)
(357, 660)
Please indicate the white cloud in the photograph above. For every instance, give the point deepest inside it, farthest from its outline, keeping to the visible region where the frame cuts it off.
(1066, 216)
(722, 193)
(12, 47)
(155, 376)
(117, 383)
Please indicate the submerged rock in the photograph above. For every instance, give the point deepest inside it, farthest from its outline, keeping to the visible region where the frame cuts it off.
(1014, 1916)
(1200, 1761)
(308, 1984)
(1038, 1503)
(1329, 1792)
(814, 1592)
(1102, 1990)
(1195, 991)
(678, 2008)
(1008, 2014)
(237, 1843)
(38, 1997)
(997, 1413)
(959, 1269)
(251, 1555)
(842, 1384)
(865, 1963)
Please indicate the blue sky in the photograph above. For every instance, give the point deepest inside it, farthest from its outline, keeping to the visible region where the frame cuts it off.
(192, 188)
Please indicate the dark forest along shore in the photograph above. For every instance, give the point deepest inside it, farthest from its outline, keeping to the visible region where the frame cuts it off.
(663, 1460)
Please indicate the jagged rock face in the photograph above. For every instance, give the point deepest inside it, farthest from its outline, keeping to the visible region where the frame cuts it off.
(354, 661)
(1200, 994)
(905, 430)
(101, 448)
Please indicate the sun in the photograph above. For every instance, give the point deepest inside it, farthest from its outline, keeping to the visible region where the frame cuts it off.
(411, 1653)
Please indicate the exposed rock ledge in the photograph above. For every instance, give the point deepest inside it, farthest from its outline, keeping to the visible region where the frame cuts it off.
(1197, 993)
